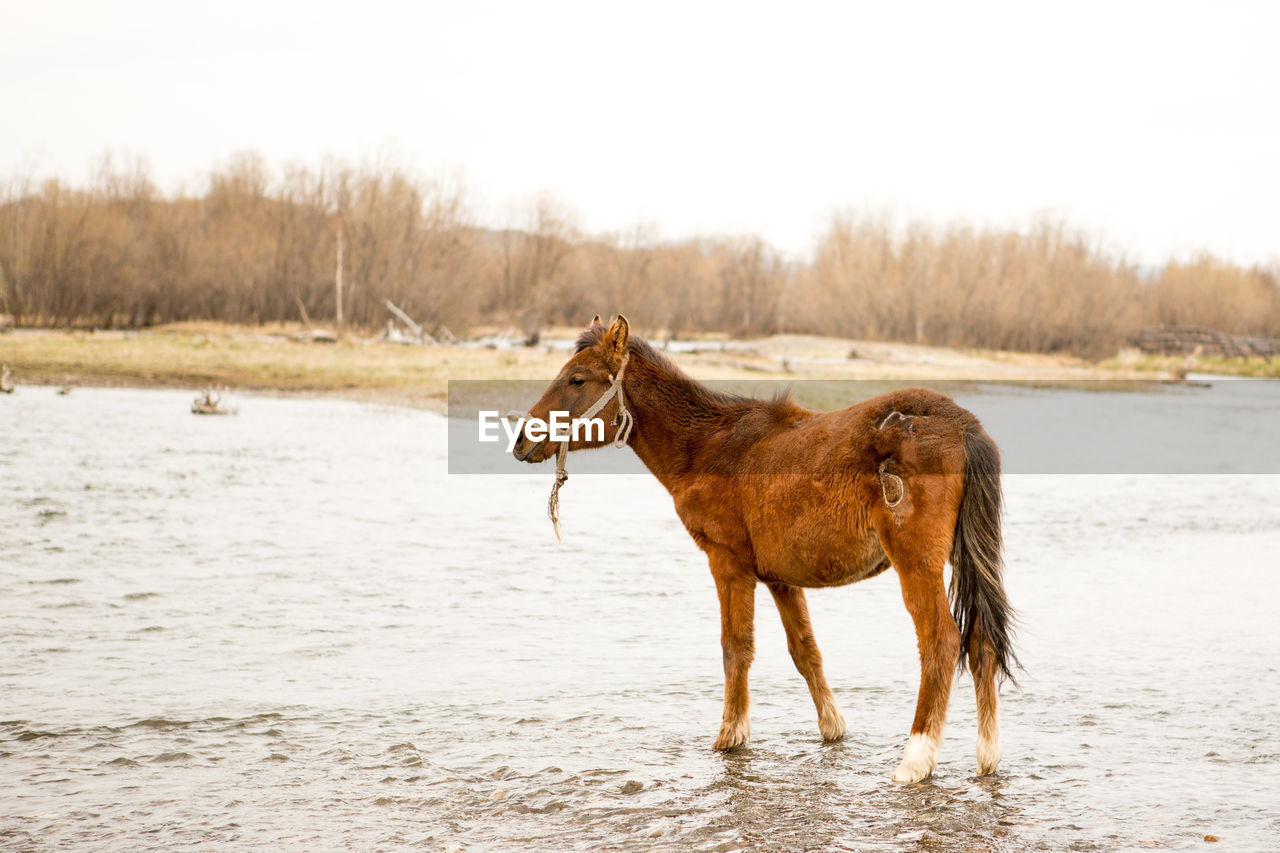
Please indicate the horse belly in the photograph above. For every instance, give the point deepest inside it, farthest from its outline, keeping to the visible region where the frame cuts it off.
(817, 560)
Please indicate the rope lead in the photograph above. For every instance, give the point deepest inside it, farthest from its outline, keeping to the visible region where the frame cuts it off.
(562, 477)
(624, 422)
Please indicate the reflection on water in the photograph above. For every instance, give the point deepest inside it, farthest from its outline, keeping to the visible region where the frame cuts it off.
(290, 629)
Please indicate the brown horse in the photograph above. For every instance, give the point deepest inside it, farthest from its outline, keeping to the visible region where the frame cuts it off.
(792, 498)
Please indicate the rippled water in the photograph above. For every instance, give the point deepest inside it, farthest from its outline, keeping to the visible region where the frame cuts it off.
(292, 630)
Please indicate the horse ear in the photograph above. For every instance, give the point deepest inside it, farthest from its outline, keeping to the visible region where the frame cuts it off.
(615, 342)
(594, 323)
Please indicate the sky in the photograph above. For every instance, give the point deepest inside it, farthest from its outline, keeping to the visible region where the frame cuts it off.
(1153, 127)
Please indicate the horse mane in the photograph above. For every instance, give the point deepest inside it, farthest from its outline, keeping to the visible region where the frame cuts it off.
(709, 402)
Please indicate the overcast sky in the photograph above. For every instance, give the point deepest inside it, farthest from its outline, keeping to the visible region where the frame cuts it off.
(1154, 126)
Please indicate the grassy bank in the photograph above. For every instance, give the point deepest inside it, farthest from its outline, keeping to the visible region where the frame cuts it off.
(282, 358)
(1179, 365)
(264, 359)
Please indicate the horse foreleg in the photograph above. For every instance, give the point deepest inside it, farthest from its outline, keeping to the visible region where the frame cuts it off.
(808, 660)
(939, 642)
(737, 591)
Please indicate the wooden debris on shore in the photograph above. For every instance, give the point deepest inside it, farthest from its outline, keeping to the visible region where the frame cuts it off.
(317, 336)
(499, 341)
(210, 402)
(6, 387)
(392, 335)
(417, 334)
(509, 339)
(1197, 340)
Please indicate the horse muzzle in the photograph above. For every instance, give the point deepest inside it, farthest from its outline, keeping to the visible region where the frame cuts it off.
(528, 452)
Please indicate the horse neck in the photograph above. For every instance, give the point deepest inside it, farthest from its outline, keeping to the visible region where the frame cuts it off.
(674, 419)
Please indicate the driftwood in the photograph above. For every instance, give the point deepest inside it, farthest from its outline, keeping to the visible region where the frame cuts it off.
(499, 341)
(419, 333)
(392, 335)
(6, 387)
(317, 336)
(210, 402)
(1196, 340)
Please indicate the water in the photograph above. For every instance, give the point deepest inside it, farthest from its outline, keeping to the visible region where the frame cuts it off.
(292, 630)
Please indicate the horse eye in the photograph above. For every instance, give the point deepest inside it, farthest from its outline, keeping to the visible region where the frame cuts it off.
(576, 380)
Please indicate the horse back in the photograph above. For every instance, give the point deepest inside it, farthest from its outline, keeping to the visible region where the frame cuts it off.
(801, 500)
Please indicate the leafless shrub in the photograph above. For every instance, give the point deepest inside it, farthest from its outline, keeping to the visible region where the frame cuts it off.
(258, 244)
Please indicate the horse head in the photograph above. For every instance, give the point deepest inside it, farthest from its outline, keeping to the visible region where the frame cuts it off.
(588, 386)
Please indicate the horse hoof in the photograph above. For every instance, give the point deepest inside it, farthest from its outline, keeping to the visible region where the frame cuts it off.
(832, 726)
(918, 760)
(732, 736)
(989, 755)
(905, 775)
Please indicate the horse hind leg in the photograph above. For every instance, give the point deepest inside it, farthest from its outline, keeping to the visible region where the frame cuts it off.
(803, 647)
(982, 662)
(938, 640)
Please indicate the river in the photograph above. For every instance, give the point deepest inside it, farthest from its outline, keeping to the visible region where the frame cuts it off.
(293, 629)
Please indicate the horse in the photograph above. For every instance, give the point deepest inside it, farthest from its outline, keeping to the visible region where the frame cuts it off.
(796, 499)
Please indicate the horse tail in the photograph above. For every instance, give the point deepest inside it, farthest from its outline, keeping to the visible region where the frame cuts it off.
(978, 599)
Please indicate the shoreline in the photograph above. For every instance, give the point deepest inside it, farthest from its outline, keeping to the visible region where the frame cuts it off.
(290, 361)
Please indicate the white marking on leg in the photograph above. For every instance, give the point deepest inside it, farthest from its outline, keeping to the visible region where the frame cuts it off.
(733, 733)
(989, 753)
(831, 722)
(918, 760)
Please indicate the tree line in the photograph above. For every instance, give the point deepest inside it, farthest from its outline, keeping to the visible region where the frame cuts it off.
(257, 244)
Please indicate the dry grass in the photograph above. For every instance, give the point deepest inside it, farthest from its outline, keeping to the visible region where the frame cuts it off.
(204, 356)
(197, 355)
(1178, 365)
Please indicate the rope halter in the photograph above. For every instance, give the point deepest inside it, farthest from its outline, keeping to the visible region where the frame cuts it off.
(624, 421)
